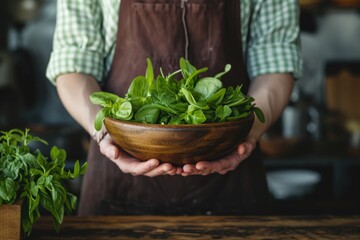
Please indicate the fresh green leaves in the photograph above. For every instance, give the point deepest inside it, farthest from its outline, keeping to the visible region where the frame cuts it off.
(189, 99)
(208, 86)
(34, 179)
(113, 106)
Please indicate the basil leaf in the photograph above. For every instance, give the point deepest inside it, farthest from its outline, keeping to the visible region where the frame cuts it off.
(186, 68)
(123, 110)
(100, 116)
(139, 87)
(147, 114)
(223, 111)
(149, 75)
(104, 99)
(208, 86)
(259, 114)
(197, 117)
(7, 190)
(190, 81)
(215, 99)
(227, 69)
(191, 100)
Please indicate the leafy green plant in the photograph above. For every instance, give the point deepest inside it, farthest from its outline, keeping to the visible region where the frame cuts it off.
(34, 179)
(189, 99)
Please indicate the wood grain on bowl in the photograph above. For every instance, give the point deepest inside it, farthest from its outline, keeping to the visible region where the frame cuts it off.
(179, 144)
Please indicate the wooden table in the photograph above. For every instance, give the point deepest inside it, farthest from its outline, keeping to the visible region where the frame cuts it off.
(200, 227)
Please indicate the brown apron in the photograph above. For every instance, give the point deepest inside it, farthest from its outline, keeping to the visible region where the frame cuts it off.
(210, 38)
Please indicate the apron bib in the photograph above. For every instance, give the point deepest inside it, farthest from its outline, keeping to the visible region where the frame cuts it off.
(208, 32)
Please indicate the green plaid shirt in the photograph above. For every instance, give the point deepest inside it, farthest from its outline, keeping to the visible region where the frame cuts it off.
(85, 37)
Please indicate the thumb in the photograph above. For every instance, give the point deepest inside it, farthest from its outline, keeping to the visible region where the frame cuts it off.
(108, 148)
(242, 148)
(246, 147)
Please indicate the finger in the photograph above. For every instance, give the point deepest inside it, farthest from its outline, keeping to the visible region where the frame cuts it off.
(172, 172)
(207, 172)
(189, 168)
(179, 171)
(223, 172)
(108, 149)
(227, 163)
(208, 166)
(184, 174)
(215, 166)
(242, 149)
(192, 170)
(136, 167)
(186, 170)
(160, 170)
(231, 162)
(203, 173)
(245, 149)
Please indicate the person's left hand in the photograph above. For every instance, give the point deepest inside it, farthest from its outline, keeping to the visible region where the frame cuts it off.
(224, 164)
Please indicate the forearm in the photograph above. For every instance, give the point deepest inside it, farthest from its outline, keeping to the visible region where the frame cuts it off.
(271, 93)
(74, 90)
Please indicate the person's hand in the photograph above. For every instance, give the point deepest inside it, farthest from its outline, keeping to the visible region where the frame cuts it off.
(223, 165)
(130, 165)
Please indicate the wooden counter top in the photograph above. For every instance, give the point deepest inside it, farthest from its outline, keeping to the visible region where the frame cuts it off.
(200, 227)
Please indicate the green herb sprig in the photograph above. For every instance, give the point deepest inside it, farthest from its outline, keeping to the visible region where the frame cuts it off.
(34, 179)
(167, 100)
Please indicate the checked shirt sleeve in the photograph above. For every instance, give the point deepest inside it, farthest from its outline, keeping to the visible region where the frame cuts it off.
(78, 46)
(274, 38)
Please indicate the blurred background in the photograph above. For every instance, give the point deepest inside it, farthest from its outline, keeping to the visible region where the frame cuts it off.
(312, 153)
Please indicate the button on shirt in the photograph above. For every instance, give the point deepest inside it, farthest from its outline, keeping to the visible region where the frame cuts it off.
(86, 31)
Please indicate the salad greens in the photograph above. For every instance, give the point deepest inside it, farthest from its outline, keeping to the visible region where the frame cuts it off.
(34, 179)
(164, 99)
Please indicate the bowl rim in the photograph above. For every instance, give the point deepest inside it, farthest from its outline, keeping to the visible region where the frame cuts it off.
(250, 117)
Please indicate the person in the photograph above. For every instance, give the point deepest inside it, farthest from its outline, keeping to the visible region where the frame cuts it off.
(101, 45)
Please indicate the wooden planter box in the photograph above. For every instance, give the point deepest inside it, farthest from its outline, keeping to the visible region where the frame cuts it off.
(10, 222)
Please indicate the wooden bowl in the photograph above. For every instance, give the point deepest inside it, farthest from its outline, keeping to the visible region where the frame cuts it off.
(179, 144)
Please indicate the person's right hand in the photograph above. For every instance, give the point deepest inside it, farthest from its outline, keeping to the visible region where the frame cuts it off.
(131, 165)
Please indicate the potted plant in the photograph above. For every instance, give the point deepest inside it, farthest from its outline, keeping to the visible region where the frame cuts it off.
(32, 183)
